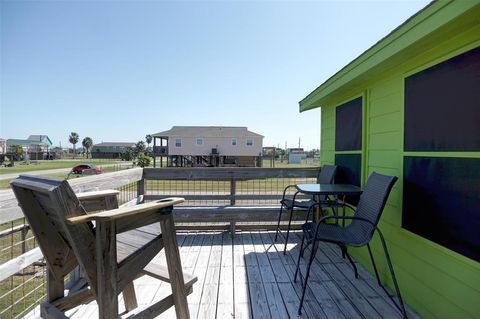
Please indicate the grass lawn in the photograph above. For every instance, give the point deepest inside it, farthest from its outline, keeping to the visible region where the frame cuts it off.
(43, 165)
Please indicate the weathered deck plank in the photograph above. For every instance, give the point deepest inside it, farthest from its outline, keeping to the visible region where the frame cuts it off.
(248, 276)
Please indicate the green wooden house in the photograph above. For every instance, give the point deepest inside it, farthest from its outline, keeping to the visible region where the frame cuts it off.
(410, 106)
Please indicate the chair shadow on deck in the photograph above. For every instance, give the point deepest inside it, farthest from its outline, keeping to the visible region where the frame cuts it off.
(248, 276)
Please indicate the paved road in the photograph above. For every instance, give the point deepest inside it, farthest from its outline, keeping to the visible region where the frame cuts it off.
(49, 171)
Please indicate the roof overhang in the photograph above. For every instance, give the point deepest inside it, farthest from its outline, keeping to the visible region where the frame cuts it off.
(433, 24)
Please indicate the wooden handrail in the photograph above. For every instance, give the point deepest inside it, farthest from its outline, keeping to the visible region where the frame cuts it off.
(9, 210)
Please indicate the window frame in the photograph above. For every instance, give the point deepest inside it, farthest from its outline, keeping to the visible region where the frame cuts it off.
(176, 142)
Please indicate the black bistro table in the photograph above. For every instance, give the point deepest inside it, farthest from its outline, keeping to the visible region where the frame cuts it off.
(329, 189)
(339, 190)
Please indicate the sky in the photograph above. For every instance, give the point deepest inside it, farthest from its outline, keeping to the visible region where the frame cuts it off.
(116, 71)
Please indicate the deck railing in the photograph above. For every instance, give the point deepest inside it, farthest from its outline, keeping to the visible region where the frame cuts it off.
(22, 270)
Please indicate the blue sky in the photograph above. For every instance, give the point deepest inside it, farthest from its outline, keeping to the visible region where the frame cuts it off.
(118, 70)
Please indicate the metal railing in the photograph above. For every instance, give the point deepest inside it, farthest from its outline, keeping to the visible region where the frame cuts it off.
(223, 186)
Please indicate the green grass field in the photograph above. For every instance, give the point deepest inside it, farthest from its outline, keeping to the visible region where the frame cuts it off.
(20, 167)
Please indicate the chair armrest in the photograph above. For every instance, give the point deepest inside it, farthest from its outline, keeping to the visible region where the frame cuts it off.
(285, 190)
(96, 194)
(118, 213)
(321, 220)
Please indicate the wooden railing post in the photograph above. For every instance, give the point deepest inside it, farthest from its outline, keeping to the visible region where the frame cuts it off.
(141, 187)
(233, 191)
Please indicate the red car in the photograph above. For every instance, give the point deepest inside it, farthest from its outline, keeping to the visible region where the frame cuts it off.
(92, 169)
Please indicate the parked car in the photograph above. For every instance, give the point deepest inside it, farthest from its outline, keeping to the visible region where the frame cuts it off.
(86, 168)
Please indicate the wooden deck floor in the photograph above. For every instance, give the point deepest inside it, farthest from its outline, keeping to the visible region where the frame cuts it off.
(249, 277)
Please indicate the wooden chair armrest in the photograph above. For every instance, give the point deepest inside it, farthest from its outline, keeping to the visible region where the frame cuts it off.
(96, 194)
(114, 214)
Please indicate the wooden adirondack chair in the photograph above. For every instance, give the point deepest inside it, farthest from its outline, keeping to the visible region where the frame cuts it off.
(111, 248)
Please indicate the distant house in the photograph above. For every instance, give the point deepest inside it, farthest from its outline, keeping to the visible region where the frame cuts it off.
(3, 146)
(35, 147)
(3, 149)
(208, 146)
(110, 149)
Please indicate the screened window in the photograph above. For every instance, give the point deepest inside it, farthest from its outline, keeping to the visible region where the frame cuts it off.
(348, 144)
(348, 126)
(234, 141)
(249, 142)
(442, 106)
(441, 201)
(440, 197)
(199, 141)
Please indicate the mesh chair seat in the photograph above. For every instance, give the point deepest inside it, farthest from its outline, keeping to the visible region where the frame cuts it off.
(302, 204)
(306, 204)
(333, 233)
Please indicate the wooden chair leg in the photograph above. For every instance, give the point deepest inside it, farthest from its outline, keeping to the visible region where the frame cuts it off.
(55, 286)
(130, 297)
(107, 296)
(174, 268)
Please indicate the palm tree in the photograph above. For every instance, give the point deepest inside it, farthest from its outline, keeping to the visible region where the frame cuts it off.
(148, 139)
(73, 138)
(87, 144)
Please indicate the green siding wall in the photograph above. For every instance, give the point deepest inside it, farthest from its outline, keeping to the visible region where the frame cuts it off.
(436, 282)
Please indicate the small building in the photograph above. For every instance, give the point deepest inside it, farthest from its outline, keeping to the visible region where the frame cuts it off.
(208, 146)
(269, 151)
(35, 147)
(296, 155)
(409, 106)
(113, 150)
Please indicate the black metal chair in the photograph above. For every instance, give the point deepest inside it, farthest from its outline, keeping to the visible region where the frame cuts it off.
(358, 233)
(326, 175)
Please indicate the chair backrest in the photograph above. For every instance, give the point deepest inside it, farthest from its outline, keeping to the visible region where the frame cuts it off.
(371, 205)
(46, 203)
(327, 174)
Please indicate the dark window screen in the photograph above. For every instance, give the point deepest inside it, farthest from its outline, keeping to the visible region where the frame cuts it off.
(348, 126)
(349, 171)
(442, 106)
(441, 202)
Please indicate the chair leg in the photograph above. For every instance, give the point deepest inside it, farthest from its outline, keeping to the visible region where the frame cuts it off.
(288, 230)
(174, 266)
(392, 273)
(345, 252)
(300, 254)
(278, 223)
(130, 297)
(374, 265)
(304, 288)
